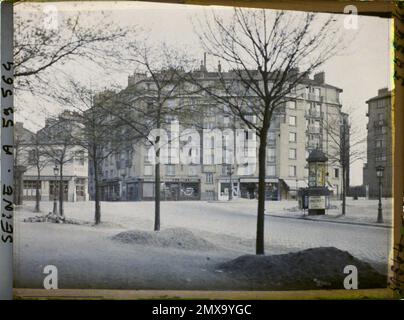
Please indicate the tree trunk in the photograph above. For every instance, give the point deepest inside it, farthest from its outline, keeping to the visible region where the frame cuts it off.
(157, 196)
(61, 191)
(343, 190)
(261, 196)
(37, 194)
(157, 183)
(97, 216)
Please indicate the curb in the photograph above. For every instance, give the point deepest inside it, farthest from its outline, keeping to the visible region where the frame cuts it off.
(333, 221)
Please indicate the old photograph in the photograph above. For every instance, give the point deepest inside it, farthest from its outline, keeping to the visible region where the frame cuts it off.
(178, 147)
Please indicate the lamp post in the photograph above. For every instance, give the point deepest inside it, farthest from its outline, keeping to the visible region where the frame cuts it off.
(56, 173)
(379, 173)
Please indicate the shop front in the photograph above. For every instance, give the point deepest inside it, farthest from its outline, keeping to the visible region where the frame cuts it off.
(249, 188)
(173, 190)
(110, 190)
(225, 189)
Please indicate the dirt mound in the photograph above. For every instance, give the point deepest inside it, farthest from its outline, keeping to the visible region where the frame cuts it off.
(53, 218)
(317, 268)
(178, 238)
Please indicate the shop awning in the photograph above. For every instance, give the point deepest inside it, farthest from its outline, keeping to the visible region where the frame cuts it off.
(292, 183)
(255, 180)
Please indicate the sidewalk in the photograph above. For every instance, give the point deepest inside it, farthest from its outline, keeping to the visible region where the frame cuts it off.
(358, 212)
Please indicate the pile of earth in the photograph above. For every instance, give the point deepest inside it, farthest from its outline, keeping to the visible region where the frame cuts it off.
(53, 218)
(178, 238)
(316, 268)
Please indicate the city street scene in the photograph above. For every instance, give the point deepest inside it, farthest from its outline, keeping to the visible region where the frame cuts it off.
(180, 147)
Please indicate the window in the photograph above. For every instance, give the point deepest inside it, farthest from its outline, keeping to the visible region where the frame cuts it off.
(209, 177)
(318, 109)
(271, 154)
(336, 173)
(80, 187)
(31, 157)
(251, 118)
(80, 191)
(79, 157)
(292, 171)
(271, 170)
(292, 154)
(381, 157)
(379, 143)
(292, 120)
(271, 136)
(291, 105)
(170, 170)
(292, 136)
(148, 170)
(31, 184)
(226, 121)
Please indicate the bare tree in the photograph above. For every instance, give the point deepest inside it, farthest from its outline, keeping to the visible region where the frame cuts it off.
(153, 99)
(99, 133)
(85, 38)
(345, 146)
(38, 160)
(263, 52)
(22, 138)
(59, 147)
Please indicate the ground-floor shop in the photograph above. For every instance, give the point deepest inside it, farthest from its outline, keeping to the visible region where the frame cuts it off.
(140, 189)
(74, 188)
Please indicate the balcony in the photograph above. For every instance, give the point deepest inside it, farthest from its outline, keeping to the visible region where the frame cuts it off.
(313, 130)
(313, 97)
(379, 123)
(313, 114)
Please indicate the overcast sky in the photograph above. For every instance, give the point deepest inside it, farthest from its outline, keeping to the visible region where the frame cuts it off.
(360, 70)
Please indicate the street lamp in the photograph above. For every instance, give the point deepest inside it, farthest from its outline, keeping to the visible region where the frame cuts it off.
(379, 173)
(56, 173)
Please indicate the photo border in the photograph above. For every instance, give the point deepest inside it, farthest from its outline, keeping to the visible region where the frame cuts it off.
(380, 8)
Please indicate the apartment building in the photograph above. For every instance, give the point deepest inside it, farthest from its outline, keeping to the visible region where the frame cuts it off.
(297, 127)
(379, 147)
(74, 165)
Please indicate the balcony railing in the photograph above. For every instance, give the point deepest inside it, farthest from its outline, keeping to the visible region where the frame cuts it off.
(313, 97)
(312, 129)
(313, 114)
(379, 123)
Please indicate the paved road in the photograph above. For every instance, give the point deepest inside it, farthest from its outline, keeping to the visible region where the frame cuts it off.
(86, 256)
(233, 221)
(370, 243)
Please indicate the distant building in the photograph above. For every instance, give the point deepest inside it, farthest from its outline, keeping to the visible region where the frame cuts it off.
(296, 129)
(75, 170)
(379, 148)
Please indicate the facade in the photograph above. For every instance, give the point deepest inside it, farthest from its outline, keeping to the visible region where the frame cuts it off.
(75, 166)
(379, 147)
(296, 129)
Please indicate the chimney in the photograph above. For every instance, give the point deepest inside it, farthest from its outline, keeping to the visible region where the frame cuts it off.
(383, 91)
(320, 77)
(204, 61)
(219, 67)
